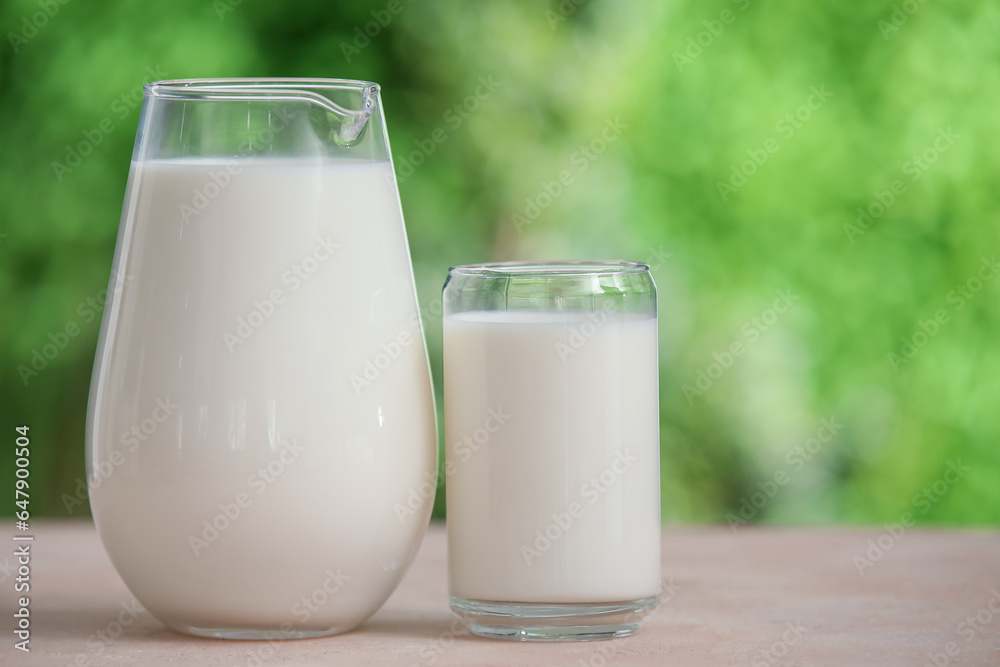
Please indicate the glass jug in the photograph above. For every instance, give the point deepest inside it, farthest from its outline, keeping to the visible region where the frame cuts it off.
(261, 427)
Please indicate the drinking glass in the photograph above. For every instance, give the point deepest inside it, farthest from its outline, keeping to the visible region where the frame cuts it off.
(261, 404)
(552, 448)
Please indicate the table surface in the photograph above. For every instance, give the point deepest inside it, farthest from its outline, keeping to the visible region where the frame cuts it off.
(759, 596)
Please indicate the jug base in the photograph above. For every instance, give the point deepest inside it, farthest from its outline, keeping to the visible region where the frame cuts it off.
(258, 634)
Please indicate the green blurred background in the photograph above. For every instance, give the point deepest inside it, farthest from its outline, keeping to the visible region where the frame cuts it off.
(744, 137)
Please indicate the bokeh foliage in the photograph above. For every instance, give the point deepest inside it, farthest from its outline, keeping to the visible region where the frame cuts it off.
(692, 89)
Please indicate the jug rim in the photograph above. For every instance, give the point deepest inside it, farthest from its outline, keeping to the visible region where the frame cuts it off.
(245, 84)
(283, 89)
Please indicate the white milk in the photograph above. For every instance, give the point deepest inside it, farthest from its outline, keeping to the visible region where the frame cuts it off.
(266, 406)
(552, 456)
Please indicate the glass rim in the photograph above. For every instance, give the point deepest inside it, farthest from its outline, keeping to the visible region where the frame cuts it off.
(550, 269)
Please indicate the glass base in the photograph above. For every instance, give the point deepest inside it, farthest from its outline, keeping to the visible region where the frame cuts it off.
(256, 634)
(535, 622)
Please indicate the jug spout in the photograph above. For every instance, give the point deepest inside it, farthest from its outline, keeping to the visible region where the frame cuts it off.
(347, 118)
(353, 122)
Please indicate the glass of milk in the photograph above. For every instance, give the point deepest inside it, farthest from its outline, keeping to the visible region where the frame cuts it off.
(261, 406)
(552, 448)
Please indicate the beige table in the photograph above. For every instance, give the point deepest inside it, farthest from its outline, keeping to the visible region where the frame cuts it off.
(757, 597)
